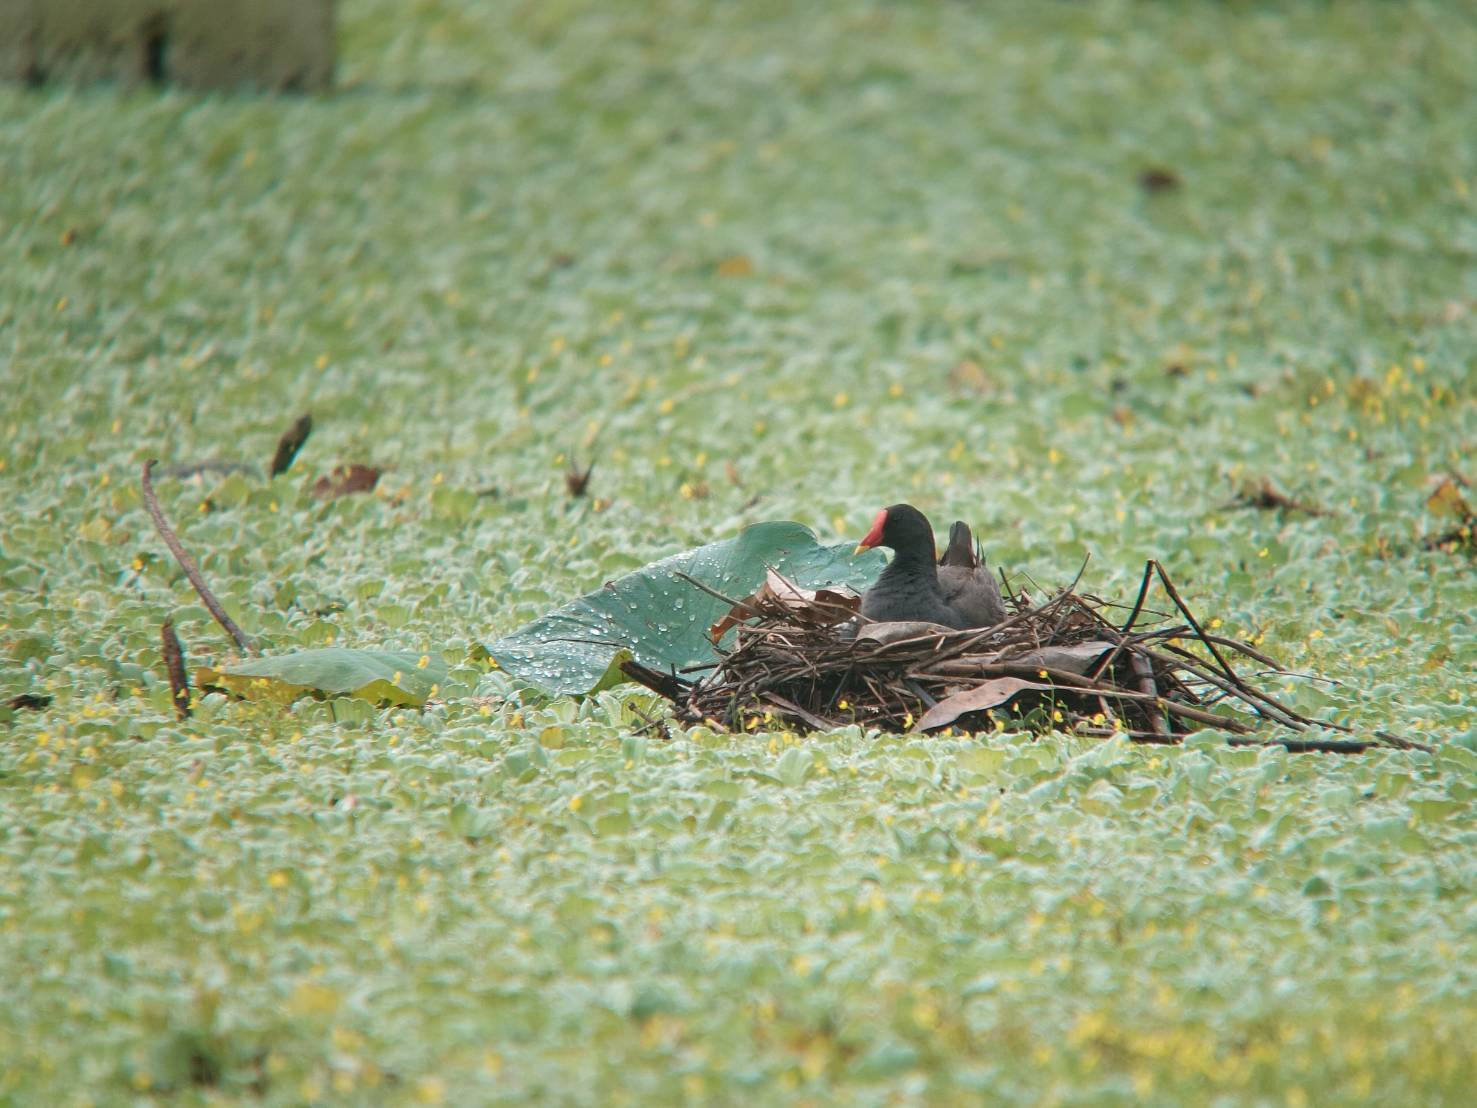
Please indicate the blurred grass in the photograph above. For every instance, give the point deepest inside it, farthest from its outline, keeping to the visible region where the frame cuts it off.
(762, 263)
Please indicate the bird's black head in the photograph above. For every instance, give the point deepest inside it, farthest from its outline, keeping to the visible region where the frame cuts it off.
(904, 529)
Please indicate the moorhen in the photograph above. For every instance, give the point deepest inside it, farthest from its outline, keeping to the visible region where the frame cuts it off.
(969, 587)
(909, 587)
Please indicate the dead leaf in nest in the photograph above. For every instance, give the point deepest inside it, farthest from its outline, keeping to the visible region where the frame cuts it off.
(1447, 500)
(1078, 658)
(740, 265)
(781, 596)
(346, 480)
(979, 698)
(901, 631)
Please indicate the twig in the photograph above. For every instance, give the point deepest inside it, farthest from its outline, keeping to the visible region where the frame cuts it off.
(1174, 595)
(1148, 737)
(820, 723)
(1400, 743)
(1138, 605)
(1248, 650)
(711, 591)
(1293, 746)
(187, 563)
(1106, 664)
(670, 686)
(1144, 673)
(649, 723)
(174, 663)
(920, 692)
(1263, 703)
(1309, 746)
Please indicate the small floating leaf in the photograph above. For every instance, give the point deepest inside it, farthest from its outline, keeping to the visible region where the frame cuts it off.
(378, 676)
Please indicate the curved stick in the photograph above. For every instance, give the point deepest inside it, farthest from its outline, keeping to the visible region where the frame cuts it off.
(187, 563)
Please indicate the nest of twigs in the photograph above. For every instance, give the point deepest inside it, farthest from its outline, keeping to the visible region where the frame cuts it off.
(803, 660)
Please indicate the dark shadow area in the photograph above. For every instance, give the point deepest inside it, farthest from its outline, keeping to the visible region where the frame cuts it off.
(154, 40)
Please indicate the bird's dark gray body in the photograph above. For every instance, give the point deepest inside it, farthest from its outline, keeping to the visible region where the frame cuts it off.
(901, 595)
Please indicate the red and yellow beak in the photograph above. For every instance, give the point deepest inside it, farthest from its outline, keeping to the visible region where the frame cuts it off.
(874, 536)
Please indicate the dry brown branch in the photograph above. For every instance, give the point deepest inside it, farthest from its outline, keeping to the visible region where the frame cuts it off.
(174, 662)
(1143, 672)
(187, 563)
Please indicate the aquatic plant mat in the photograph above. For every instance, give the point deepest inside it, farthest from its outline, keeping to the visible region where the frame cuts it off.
(799, 660)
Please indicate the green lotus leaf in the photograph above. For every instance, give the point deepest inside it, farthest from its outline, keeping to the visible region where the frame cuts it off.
(663, 620)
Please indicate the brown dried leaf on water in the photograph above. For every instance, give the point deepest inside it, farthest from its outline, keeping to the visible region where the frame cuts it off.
(1447, 500)
(1158, 178)
(978, 698)
(1265, 496)
(779, 595)
(290, 443)
(346, 480)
